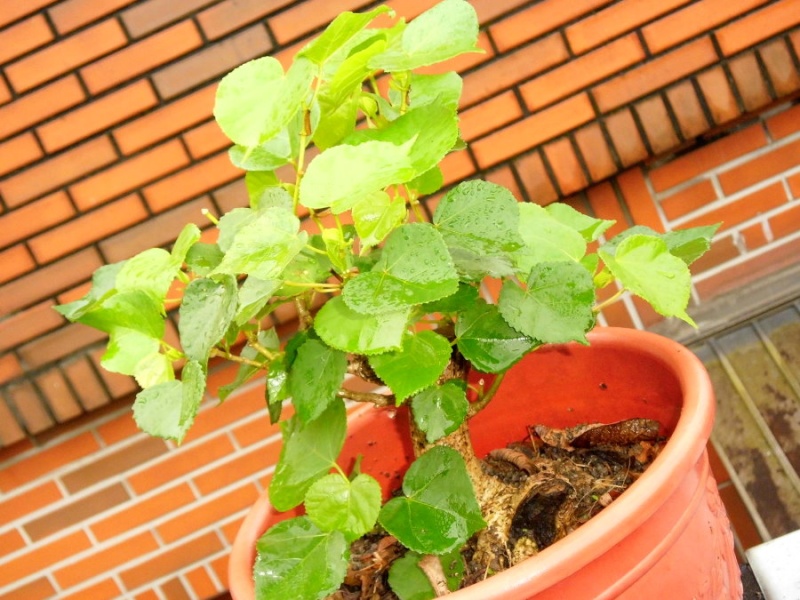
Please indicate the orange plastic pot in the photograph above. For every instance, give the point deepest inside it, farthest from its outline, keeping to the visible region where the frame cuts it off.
(667, 536)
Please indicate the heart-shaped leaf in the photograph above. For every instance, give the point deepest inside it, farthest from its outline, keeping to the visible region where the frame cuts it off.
(439, 511)
(298, 560)
(316, 375)
(440, 410)
(414, 268)
(416, 366)
(208, 307)
(345, 329)
(546, 239)
(334, 503)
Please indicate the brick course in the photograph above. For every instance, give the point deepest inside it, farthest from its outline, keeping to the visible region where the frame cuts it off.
(666, 114)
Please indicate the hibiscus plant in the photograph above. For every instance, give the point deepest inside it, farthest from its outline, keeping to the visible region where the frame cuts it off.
(339, 152)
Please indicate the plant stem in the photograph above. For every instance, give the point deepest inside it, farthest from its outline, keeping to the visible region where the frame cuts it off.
(373, 397)
(237, 359)
(486, 397)
(608, 301)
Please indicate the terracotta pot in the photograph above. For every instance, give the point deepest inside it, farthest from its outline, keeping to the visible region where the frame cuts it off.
(667, 536)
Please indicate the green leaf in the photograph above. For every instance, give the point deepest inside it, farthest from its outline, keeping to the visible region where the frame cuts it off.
(253, 296)
(136, 310)
(345, 329)
(416, 366)
(271, 155)
(267, 339)
(439, 512)
(203, 258)
(151, 271)
(255, 101)
(297, 560)
(488, 341)
(264, 185)
(341, 175)
(443, 90)
(589, 227)
(340, 31)
(277, 389)
(448, 29)
(316, 375)
(414, 268)
(308, 267)
(347, 80)
(555, 308)
(408, 580)
(207, 310)
(337, 120)
(690, 244)
(440, 410)
(103, 282)
(375, 216)
(126, 348)
(644, 265)
(153, 369)
(338, 243)
(264, 245)
(334, 503)
(430, 182)
(167, 410)
(188, 237)
(465, 297)
(480, 217)
(546, 239)
(309, 451)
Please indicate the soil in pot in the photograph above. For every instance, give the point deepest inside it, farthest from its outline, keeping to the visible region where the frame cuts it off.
(567, 475)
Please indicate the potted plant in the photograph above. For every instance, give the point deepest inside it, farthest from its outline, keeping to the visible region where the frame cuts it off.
(387, 288)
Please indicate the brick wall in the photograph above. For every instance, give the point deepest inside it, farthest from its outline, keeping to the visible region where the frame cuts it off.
(670, 113)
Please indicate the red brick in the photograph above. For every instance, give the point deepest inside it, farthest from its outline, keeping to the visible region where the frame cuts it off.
(211, 62)
(784, 123)
(754, 236)
(128, 175)
(641, 205)
(751, 268)
(655, 74)
(718, 95)
(785, 223)
(765, 166)
(57, 171)
(38, 589)
(515, 66)
(708, 157)
(39, 105)
(780, 67)
(48, 280)
(143, 511)
(191, 182)
(11, 432)
(11, 541)
(31, 411)
(73, 14)
(141, 57)
(626, 138)
(505, 176)
(16, 261)
(539, 19)
(689, 199)
(298, 20)
(24, 37)
(11, 10)
(747, 77)
(47, 460)
(565, 165)
(18, 152)
(794, 185)
(606, 205)
(225, 17)
(688, 112)
(146, 17)
(206, 512)
(9, 369)
(88, 228)
(66, 55)
(615, 20)
(758, 26)
(23, 326)
(693, 20)
(489, 115)
(488, 10)
(456, 166)
(97, 116)
(657, 125)
(166, 121)
(723, 249)
(171, 560)
(179, 463)
(595, 152)
(205, 139)
(582, 72)
(743, 209)
(156, 231)
(59, 344)
(119, 386)
(105, 559)
(105, 590)
(86, 383)
(618, 315)
(534, 130)
(201, 583)
(536, 182)
(28, 220)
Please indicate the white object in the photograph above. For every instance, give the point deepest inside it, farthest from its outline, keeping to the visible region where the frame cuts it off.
(776, 565)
